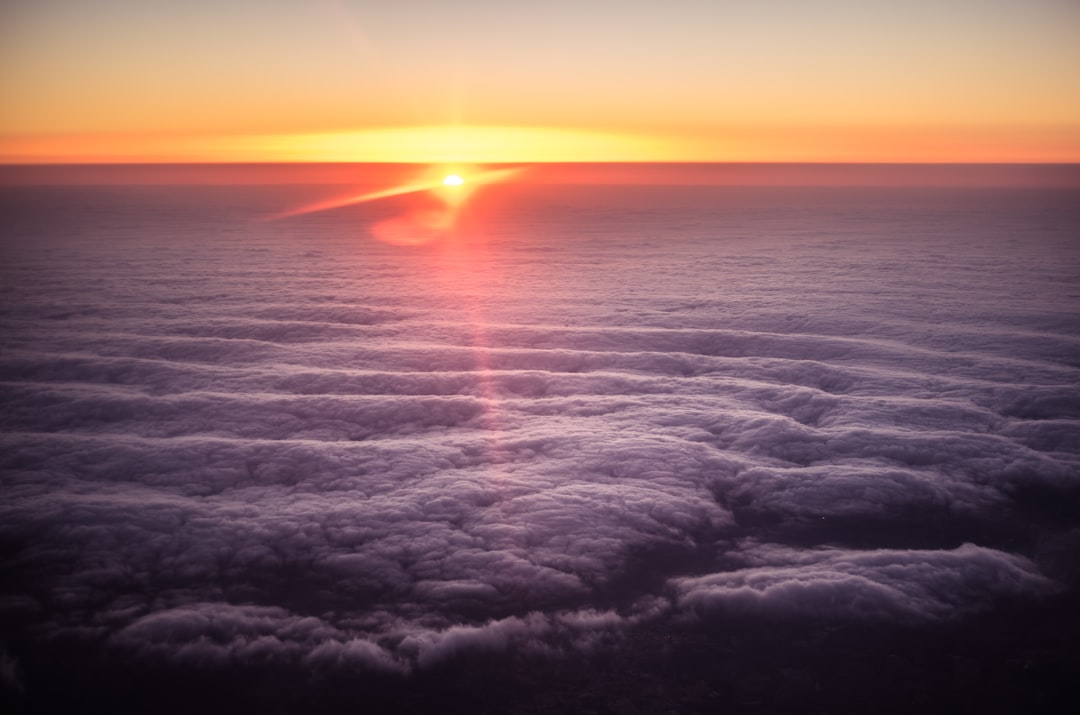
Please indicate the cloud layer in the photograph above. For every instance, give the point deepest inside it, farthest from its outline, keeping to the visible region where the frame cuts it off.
(286, 444)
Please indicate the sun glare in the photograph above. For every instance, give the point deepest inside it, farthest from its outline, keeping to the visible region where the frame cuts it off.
(451, 189)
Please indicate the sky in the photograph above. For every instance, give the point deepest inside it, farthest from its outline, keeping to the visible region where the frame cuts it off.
(485, 81)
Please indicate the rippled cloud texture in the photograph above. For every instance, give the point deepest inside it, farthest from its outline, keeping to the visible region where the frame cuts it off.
(230, 443)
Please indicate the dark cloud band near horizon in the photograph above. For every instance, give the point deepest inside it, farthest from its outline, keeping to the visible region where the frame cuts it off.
(234, 443)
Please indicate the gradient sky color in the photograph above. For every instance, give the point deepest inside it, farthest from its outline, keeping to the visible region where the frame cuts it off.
(589, 80)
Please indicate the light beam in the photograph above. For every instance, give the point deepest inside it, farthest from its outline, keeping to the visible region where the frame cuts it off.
(452, 180)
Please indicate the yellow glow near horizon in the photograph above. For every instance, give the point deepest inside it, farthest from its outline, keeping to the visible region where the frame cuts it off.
(463, 145)
(406, 145)
(474, 144)
(453, 180)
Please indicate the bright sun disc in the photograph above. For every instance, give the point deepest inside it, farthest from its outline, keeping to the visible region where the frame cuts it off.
(453, 180)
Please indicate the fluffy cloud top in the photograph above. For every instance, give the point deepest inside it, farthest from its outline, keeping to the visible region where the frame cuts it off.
(227, 442)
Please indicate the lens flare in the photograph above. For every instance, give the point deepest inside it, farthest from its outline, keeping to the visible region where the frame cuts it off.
(427, 184)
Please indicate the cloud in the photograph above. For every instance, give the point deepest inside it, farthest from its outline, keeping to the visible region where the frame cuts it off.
(332, 456)
(877, 585)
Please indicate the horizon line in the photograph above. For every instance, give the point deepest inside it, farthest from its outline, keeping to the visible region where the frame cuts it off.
(657, 173)
(679, 162)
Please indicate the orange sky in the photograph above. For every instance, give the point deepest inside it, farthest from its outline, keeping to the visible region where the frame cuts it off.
(591, 80)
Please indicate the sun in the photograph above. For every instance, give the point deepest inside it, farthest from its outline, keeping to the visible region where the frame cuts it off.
(451, 189)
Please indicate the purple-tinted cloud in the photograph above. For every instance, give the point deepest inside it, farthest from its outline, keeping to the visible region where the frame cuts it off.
(302, 449)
